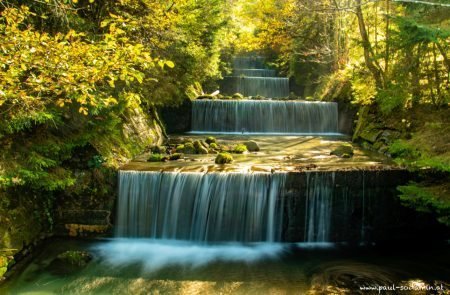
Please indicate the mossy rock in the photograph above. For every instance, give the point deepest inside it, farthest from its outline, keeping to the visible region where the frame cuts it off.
(189, 148)
(370, 133)
(343, 151)
(175, 156)
(180, 148)
(159, 150)
(199, 148)
(252, 146)
(157, 158)
(214, 146)
(237, 96)
(69, 262)
(224, 158)
(210, 140)
(240, 149)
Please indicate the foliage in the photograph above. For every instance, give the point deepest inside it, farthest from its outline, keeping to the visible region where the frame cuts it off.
(424, 199)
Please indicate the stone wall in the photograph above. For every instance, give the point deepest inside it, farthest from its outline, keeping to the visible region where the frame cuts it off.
(364, 208)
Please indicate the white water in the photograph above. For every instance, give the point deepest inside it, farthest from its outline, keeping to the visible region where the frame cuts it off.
(249, 116)
(157, 254)
(200, 207)
(251, 78)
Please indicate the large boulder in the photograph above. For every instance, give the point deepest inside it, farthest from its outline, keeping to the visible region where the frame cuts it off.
(252, 146)
(343, 151)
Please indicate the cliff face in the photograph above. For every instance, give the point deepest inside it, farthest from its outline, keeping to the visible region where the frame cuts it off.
(83, 208)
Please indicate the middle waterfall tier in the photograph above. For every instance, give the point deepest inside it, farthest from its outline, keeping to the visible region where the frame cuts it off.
(267, 116)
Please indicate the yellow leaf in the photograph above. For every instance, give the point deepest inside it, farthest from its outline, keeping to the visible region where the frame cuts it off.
(170, 64)
(83, 110)
(60, 102)
(75, 1)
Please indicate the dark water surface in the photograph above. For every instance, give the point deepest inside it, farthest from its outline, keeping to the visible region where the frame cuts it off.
(139, 266)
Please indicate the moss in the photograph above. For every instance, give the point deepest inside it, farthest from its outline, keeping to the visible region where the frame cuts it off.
(237, 96)
(214, 146)
(343, 151)
(431, 199)
(180, 148)
(240, 149)
(157, 158)
(224, 158)
(175, 156)
(199, 148)
(209, 140)
(159, 149)
(78, 258)
(189, 148)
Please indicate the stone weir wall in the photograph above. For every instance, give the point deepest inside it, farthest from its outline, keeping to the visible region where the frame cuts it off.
(357, 206)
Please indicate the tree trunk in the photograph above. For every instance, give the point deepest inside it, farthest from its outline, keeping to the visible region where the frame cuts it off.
(368, 55)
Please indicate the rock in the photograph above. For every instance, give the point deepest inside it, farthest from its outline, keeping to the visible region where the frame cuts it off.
(158, 150)
(210, 140)
(157, 158)
(202, 150)
(199, 148)
(370, 134)
(188, 148)
(175, 156)
(69, 262)
(252, 146)
(213, 146)
(224, 158)
(389, 136)
(205, 96)
(343, 151)
(240, 149)
(237, 96)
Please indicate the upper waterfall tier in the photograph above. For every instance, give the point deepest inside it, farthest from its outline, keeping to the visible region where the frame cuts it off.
(251, 77)
(254, 73)
(253, 86)
(249, 62)
(266, 116)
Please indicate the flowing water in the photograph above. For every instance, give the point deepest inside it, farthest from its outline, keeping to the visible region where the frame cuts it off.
(200, 207)
(140, 266)
(252, 78)
(267, 117)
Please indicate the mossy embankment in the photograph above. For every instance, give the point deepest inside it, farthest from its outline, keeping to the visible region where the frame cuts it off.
(416, 137)
(83, 206)
(419, 140)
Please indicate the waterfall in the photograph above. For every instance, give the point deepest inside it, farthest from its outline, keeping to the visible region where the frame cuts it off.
(267, 116)
(254, 73)
(318, 207)
(200, 207)
(251, 78)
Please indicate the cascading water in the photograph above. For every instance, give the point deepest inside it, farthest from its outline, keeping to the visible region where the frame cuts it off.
(318, 207)
(266, 116)
(252, 78)
(200, 207)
